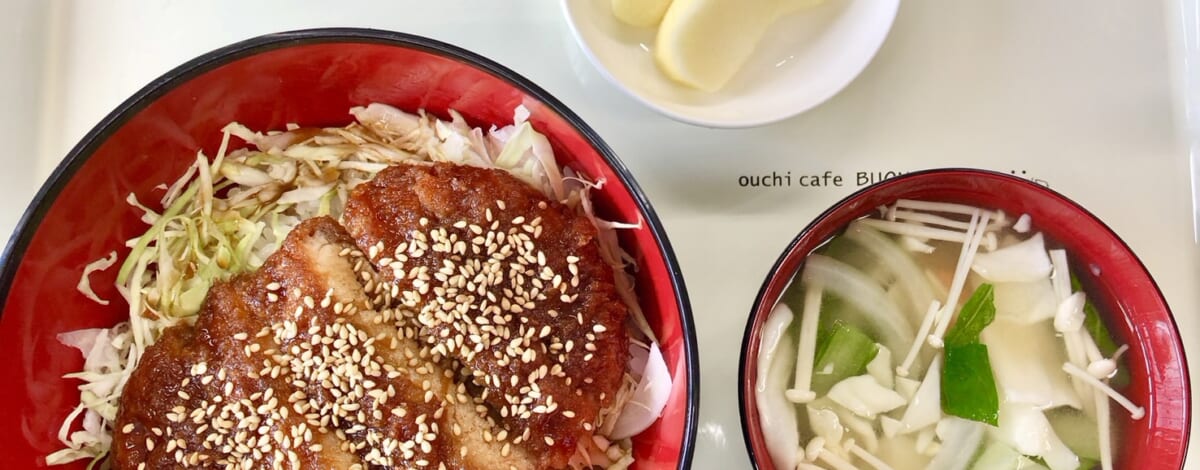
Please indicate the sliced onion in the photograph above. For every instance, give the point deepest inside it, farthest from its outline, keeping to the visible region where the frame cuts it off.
(1025, 360)
(311, 193)
(864, 396)
(386, 117)
(776, 414)
(649, 398)
(865, 294)
(960, 439)
(1022, 262)
(904, 268)
(773, 332)
(925, 408)
(1025, 302)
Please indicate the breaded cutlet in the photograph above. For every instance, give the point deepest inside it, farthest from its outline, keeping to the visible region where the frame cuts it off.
(289, 365)
(465, 321)
(507, 282)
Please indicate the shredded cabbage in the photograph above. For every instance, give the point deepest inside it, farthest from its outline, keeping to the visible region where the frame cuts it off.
(85, 283)
(227, 215)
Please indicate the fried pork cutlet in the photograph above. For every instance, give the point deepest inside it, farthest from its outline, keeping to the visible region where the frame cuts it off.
(507, 283)
(289, 367)
(469, 323)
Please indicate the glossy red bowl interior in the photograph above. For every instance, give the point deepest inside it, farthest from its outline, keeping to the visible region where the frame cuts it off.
(1115, 279)
(313, 78)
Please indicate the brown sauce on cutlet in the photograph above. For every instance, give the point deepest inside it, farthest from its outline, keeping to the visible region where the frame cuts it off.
(280, 371)
(509, 284)
(465, 321)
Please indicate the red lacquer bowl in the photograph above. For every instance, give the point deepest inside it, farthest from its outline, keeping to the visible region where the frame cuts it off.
(313, 78)
(1115, 279)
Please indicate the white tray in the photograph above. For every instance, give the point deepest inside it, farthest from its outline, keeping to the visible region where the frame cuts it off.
(1087, 95)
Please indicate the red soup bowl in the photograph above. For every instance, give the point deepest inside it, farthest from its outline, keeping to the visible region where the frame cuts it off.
(310, 77)
(1116, 281)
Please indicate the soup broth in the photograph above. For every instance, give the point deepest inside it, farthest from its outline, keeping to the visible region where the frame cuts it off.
(939, 336)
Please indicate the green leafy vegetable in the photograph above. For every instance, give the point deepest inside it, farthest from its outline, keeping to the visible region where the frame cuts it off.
(842, 351)
(1100, 334)
(1094, 324)
(976, 315)
(968, 388)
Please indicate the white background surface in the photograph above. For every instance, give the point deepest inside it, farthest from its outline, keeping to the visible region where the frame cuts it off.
(1088, 95)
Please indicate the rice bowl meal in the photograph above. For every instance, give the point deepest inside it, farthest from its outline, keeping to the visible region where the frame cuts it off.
(400, 292)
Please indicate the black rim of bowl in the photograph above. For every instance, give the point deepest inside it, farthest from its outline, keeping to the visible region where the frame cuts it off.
(762, 291)
(14, 251)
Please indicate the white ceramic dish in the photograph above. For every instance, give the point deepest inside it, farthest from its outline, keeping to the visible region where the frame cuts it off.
(804, 59)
